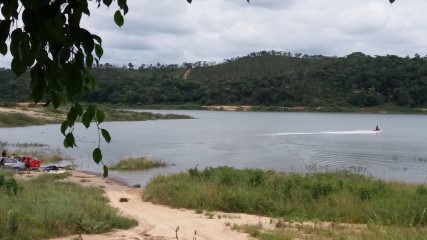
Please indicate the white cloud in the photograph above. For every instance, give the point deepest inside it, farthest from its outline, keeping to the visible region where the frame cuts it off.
(171, 31)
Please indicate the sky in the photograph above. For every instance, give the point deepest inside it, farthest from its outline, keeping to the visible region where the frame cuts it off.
(173, 31)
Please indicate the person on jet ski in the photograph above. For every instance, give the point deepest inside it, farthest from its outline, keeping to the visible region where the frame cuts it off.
(377, 128)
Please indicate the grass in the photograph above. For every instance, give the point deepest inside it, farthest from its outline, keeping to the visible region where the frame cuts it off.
(333, 232)
(122, 115)
(18, 119)
(137, 163)
(336, 197)
(45, 208)
(45, 156)
(374, 208)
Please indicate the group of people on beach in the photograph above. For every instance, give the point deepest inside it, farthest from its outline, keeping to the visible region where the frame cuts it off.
(26, 161)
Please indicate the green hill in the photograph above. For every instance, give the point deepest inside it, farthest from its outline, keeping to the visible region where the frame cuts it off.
(266, 78)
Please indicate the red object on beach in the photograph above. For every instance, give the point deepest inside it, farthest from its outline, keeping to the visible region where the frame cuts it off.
(34, 163)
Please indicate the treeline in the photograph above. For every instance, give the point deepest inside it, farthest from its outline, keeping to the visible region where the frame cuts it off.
(269, 78)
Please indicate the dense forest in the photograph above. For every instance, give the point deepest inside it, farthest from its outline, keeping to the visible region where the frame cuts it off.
(267, 78)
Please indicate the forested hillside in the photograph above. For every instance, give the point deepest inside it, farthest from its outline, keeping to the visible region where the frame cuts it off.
(263, 78)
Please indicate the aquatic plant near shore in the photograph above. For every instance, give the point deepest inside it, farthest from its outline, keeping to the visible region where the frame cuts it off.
(137, 163)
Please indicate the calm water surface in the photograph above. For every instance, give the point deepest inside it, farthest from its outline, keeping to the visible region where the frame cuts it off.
(292, 142)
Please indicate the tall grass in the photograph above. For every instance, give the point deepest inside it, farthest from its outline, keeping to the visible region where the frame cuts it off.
(18, 119)
(337, 197)
(45, 156)
(377, 232)
(137, 163)
(44, 208)
(121, 115)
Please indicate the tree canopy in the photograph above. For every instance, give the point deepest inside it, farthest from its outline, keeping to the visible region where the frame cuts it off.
(45, 37)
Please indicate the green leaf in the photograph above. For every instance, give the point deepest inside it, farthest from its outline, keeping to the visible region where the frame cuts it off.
(97, 155)
(97, 38)
(118, 18)
(3, 48)
(55, 99)
(88, 116)
(38, 83)
(24, 50)
(34, 51)
(15, 40)
(98, 50)
(72, 78)
(125, 10)
(122, 4)
(4, 30)
(64, 127)
(106, 135)
(100, 116)
(69, 141)
(89, 61)
(107, 2)
(79, 109)
(30, 20)
(83, 5)
(105, 173)
(91, 109)
(42, 56)
(72, 114)
(86, 40)
(18, 67)
(86, 119)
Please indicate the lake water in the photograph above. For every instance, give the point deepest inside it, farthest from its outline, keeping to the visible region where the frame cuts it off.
(291, 142)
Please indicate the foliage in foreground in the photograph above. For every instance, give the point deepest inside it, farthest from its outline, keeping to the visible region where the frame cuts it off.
(137, 163)
(349, 232)
(337, 197)
(44, 208)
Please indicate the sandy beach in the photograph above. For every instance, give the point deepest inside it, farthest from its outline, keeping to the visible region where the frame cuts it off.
(156, 222)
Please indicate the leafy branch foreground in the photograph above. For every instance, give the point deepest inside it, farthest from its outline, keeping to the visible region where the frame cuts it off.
(337, 197)
(45, 207)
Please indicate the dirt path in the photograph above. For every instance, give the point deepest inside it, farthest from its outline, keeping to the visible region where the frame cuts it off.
(158, 222)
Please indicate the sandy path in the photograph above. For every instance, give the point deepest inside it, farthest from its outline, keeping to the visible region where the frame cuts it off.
(158, 222)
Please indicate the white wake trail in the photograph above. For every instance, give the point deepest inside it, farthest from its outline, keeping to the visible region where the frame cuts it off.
(327, 132)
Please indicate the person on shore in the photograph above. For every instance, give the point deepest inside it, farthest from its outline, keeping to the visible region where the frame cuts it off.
(2, 163)
(27, 165)
(4, 154)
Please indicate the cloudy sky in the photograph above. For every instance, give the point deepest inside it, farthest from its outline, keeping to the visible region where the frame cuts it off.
(173, 31)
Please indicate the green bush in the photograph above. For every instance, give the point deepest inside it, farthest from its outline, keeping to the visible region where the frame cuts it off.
(339, 196)
(45, 208)
(137, 163)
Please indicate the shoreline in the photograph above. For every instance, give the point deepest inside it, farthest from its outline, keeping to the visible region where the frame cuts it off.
(155, 222)
(160, 222)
